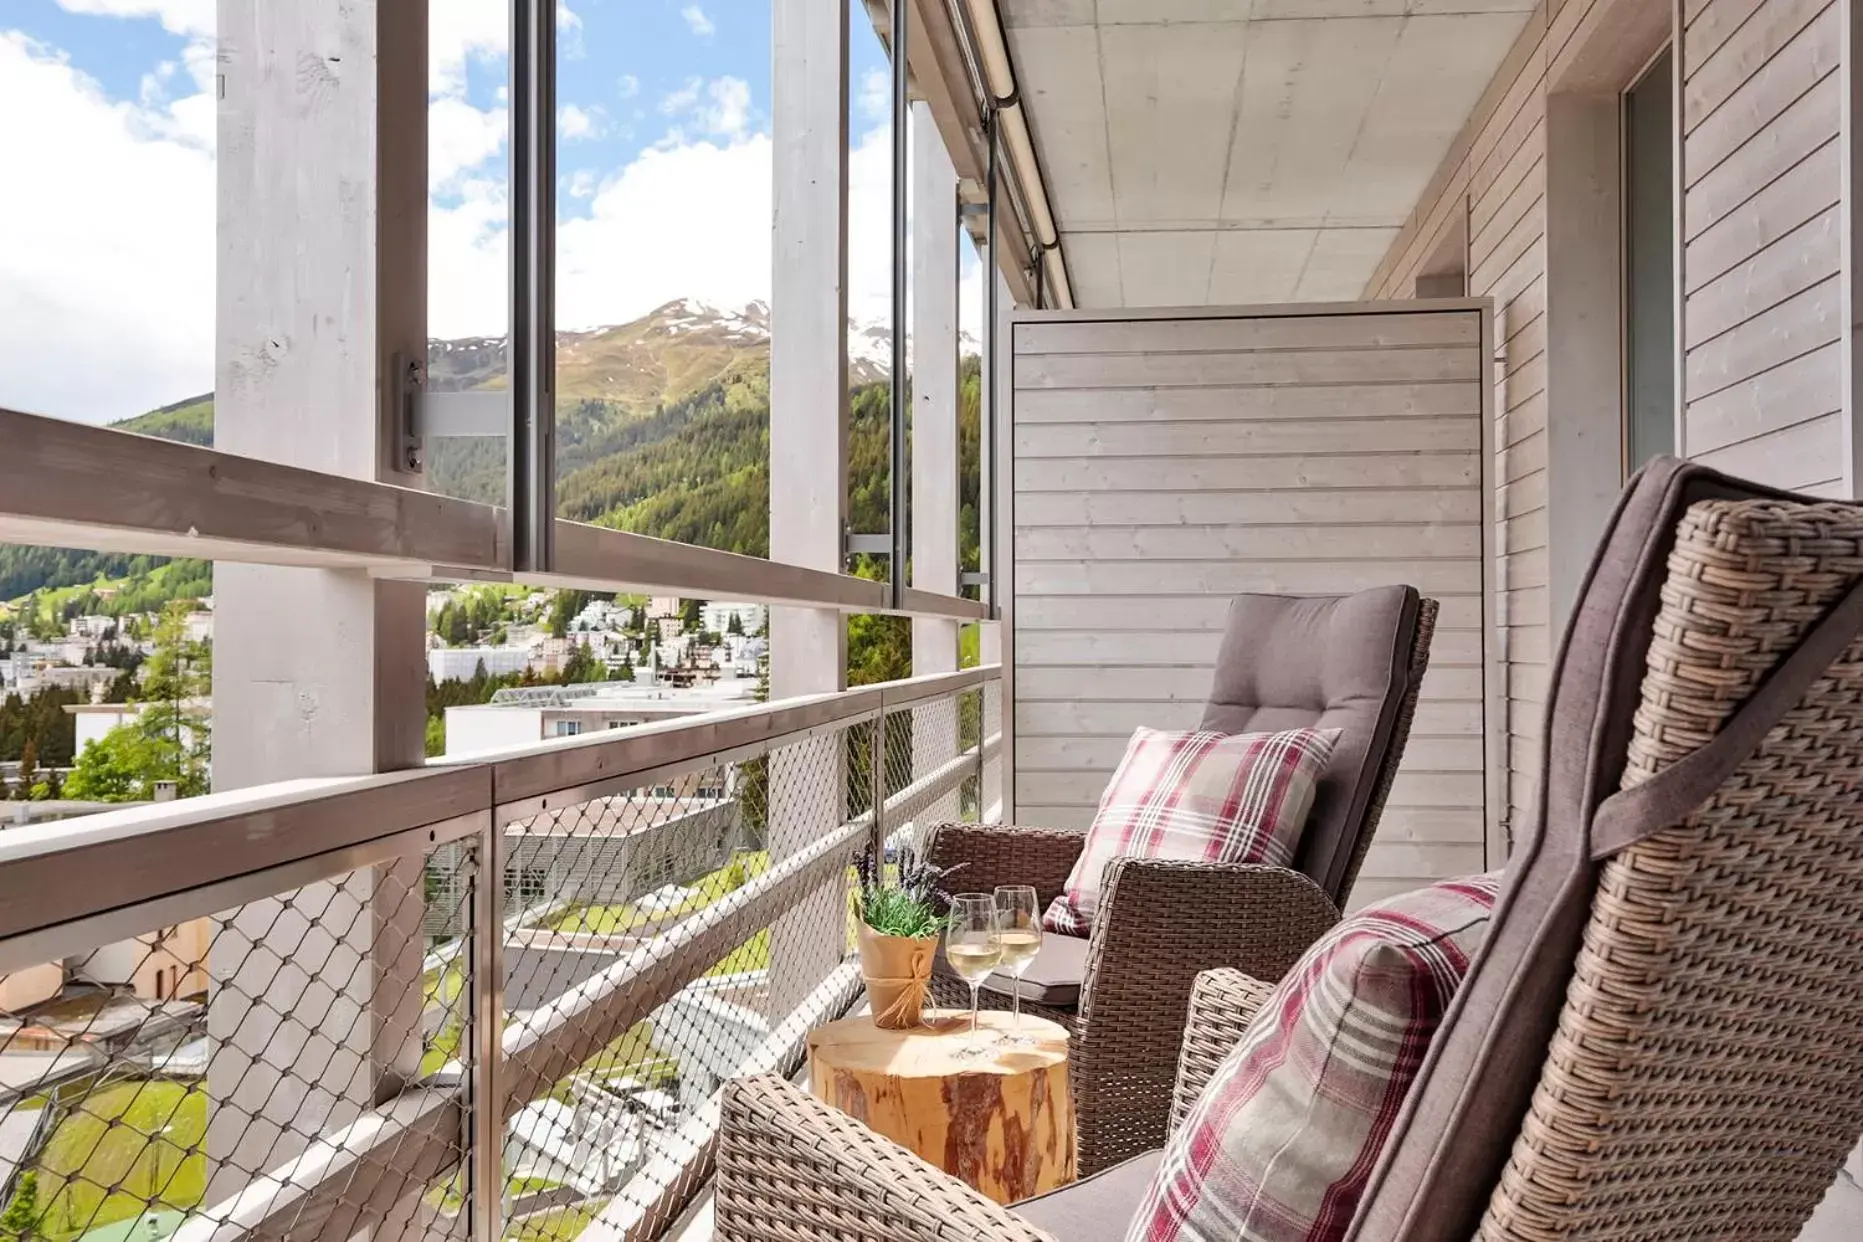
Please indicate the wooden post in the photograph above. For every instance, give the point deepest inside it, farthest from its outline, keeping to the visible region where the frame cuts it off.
(315, 1006)
(808, 450)
(935, 493)
(999, 646)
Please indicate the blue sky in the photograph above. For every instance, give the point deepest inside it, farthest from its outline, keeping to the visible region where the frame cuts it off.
(664, 191)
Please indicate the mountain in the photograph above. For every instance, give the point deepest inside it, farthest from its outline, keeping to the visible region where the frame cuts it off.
(662, 428)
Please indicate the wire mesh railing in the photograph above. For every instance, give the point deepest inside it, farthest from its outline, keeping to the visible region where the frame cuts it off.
(509, 1019)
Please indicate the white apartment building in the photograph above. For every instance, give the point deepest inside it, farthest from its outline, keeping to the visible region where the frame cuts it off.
(525, 714)
(717, 617)
(460, 663)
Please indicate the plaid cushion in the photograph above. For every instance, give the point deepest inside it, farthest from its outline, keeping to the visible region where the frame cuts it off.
(1280, 1145)
(1209, 797)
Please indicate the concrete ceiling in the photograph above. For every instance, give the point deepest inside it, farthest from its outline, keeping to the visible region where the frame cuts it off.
(1231, 151)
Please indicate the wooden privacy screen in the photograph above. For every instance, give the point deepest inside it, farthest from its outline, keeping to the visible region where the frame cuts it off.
(1165, 461)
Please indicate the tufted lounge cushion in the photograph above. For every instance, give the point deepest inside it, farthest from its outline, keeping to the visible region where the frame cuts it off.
(1320, 662)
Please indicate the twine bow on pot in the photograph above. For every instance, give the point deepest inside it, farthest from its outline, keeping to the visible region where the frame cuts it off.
(897, 970)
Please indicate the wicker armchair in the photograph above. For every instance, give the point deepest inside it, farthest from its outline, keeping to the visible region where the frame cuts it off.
(1660, 1036)
(1160, 922)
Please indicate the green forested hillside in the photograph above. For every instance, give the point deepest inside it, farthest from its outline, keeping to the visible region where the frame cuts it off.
(662, 429)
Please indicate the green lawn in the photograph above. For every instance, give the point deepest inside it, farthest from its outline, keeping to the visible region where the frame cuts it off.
(560, 1225)
(611, 920)
(121, 1150)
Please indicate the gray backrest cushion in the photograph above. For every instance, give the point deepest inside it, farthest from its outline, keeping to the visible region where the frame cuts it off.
(1330, 662)
(1447, 1149)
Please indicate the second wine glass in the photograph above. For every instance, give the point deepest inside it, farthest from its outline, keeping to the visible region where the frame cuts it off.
(973, 946)
(1019, 921)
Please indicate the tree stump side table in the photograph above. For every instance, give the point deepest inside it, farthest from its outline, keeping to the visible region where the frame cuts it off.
(1002, 1122)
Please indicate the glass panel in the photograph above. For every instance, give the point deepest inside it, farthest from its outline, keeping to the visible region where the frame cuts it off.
(1649, 287)
(468, 237)
(878, 648)
(663, 271)
(107, 300)
(969, 408)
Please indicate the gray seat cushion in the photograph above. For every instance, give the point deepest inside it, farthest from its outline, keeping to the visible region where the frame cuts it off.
(1447, 1150)
(1053, 978)
(1095, 1208)
(1324, 662)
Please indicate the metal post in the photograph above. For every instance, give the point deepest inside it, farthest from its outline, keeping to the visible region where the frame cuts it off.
(876, 749)
(901, 107)
(987, 432)
(531, 480)
(484, 1092)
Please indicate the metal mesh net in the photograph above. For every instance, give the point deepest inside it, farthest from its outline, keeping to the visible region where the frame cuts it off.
(146, 1084)
(627, 895)
(307, 1063)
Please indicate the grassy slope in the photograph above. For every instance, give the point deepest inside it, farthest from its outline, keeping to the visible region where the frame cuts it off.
(111, 1141)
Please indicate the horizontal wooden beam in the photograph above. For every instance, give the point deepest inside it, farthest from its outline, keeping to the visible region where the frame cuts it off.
(118, 874)
(64, 872)
(72, 485)
(78, 486)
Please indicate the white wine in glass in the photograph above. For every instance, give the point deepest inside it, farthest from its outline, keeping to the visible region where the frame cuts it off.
(973, 947)
(1019, 919)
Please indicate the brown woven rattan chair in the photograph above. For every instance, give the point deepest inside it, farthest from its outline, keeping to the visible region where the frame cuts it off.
(1352, 662)
(1662, 1036)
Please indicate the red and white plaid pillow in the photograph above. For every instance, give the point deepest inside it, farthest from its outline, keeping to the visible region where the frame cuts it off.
(1206, 797)
(1281, 1143)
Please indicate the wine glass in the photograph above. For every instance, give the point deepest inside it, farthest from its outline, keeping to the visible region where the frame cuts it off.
(973, 946)
(1019, 928)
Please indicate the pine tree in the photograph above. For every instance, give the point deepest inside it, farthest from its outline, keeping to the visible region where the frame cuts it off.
(20, 1223)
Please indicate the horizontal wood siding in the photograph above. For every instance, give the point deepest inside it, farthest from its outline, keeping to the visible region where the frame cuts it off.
(1762, 241)
(1496, 175)
(1760, 263)
(1162, 466)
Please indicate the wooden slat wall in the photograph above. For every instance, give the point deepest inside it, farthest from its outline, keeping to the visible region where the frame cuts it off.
(1495, 174)
(1763, 376)
(1163, 465)
(1761, 228)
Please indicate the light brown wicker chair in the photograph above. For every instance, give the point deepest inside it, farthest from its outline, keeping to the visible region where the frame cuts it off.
(1662, 1036)
(1161, 922)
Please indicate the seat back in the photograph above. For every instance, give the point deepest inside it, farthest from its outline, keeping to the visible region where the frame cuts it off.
(1663, 1034)
(1347, 662)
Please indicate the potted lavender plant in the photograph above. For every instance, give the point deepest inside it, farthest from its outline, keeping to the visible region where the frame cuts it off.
(901, 918)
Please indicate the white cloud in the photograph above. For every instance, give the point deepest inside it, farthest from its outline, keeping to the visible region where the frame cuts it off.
(691, 220)
(875, 100)
(472, 30)
(574, 123)
(194, 18)
(110, 310)
(702, 25)
(627, 85)
(676, 102)
(461, 137)
(719, 108)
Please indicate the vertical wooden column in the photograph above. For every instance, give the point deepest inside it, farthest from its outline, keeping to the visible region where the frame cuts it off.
(989, 633)
(935, 493)
(1584, 343)
(314, 1009)
(997, 645)
(808, 449)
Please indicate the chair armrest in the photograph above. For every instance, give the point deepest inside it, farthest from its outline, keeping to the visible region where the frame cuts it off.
(994, 854)
(1160, 923)
(1222, 1005)
(790, 1167)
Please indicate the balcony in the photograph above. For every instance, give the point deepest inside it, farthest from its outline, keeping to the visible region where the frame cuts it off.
(1276, 300)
